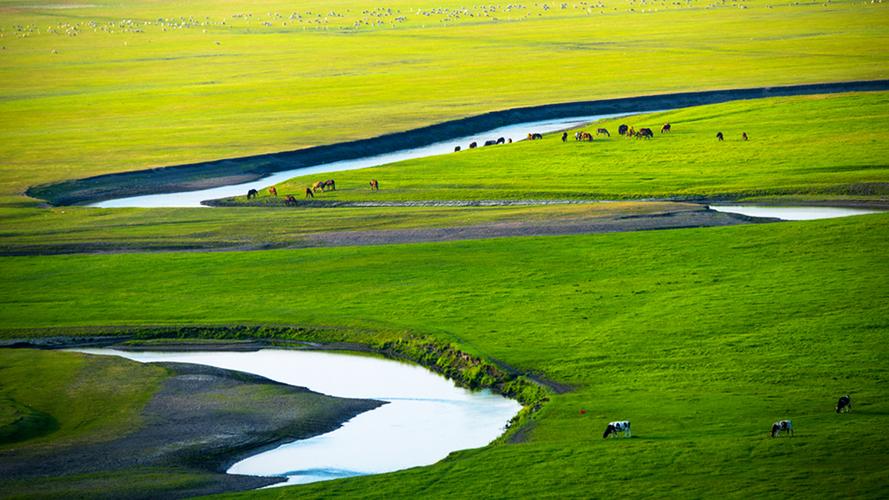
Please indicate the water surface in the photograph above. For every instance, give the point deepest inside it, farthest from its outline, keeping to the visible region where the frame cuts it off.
(792, 213)
(427, 417)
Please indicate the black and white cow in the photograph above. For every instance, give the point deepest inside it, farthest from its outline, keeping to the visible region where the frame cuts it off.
(844, 404)
(615, 427)
(782, 425)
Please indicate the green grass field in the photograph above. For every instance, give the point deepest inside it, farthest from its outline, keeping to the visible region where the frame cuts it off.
(147, 84)
(701, 337)
(800, 146)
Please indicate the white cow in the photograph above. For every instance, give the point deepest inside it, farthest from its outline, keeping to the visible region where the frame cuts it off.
(615, 427)
(782, 425)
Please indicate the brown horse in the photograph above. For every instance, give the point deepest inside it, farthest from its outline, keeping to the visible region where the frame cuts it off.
(586, 136)
(645, 133)
(318, 186)
(374, 185)
(330, 184)
(273, 191)
(289, 200)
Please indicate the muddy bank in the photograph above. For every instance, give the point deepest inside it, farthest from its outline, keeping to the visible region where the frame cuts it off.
(237, 170)
(202, 419)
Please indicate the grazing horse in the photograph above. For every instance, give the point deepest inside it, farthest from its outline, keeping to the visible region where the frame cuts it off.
(374, 185)
(501, 140)
(490, 143)
(473, 145)
(615, 427)
(252, 194)
(782, 425)
(457, 149)
(631, 132)
(645, 133)
(622, 130)
(577, 136)
(666, 128)
(586, 136)
(329, 183)
(318, 185)
(744, 136)
(564, 136)
(844, 404)
(533, 136)
(273, 191)
(603, 131)
(309, 193)
(509, 141)
(290, 200)
(719, 136)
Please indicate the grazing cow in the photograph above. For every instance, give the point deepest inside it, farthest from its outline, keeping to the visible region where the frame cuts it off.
(603, 131)
(844, 404)
(457, 149)
(564, 136)
(309, 193)
(744, 136)
(473, 145)
(374, 185)
(490, 143)
(290, 200)
(615, 427)
(719, 136)
(782, 425)
(666, 128)
(645, 133)
(252, 194)
(501, 140)
(273, 191)
(622, 130)
(534, 136)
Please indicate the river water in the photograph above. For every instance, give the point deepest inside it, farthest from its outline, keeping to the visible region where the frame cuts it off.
(792, 213)
(427, 417)
(516, 132)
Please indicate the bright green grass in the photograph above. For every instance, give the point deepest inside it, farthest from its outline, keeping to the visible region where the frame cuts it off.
(112, 99)
(702, 338)
(45, 230)
(56, 399)
(829, 146)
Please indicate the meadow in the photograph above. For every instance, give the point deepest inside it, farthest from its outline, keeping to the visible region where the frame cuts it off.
(106, 87)
(701, 337)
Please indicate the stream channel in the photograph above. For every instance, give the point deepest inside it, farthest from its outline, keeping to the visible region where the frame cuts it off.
(426, 418)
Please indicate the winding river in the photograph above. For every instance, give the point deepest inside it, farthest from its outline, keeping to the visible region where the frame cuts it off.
(427, 417)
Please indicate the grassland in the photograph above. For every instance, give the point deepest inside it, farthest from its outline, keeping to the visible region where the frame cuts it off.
(812, 146)
(110, 87)
(701, 337)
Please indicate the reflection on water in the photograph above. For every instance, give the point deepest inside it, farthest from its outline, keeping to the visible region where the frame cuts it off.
(516, 132)
(792, 213)
(427, 417)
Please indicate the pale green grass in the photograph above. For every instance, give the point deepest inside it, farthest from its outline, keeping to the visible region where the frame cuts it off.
(108, 101)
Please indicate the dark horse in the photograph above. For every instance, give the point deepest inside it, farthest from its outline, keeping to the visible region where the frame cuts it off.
(252, 194)
(719, 136)
(533, 136)
(457, 149)
(374, 185)
(603, 131)
(309, 193)
(845, 403)
(492, 142)
(290, 200)
(666, 128)
(622, 130)
(501, 140)
(473, 145)
(564, 136)
(744, 136)
(645, 133)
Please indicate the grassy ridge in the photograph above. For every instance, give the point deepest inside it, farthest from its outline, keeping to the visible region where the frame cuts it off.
(701, 337)
(124, 95)
(831, 146)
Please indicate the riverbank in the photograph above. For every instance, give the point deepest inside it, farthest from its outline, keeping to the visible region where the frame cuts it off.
(198, 422)
(244, 169)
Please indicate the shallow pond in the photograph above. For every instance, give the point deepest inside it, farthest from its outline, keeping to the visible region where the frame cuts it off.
(427, 417)
(518, 131)
(792, 213)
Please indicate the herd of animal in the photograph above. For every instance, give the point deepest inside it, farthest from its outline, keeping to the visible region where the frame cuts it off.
(327, 185)
(844, 404)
